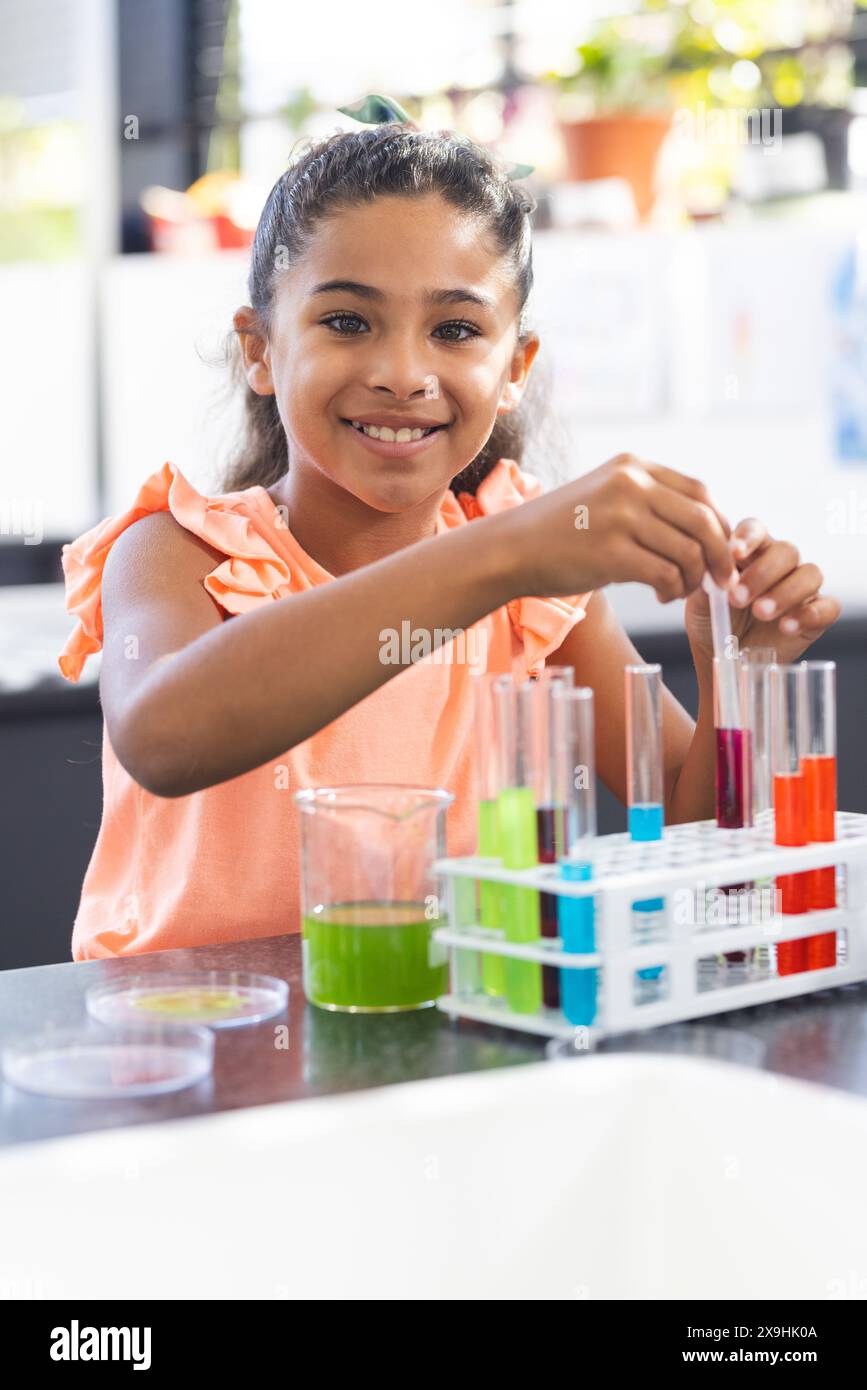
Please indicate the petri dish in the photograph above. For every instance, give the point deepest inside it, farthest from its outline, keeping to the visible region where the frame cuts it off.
(217, 998)
(109, 1063)
(673, 1039)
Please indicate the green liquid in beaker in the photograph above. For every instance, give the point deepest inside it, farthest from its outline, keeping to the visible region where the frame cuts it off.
(372, 956)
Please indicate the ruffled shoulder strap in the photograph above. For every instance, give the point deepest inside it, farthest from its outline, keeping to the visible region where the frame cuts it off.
(252, 571)
(541, 623)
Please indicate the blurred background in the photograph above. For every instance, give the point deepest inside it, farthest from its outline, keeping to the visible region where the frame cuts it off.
(701, 293)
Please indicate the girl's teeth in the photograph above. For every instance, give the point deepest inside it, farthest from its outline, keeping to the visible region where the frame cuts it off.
(388, 436)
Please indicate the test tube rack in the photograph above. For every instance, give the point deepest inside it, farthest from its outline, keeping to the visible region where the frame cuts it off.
(688, 859)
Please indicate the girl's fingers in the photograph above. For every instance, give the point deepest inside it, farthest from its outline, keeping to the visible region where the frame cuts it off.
(670, 543)
(811, 618)
(700, 524)
(774, 562)
(693, 488)
(656, 571)
(747, 536)
(798, 587)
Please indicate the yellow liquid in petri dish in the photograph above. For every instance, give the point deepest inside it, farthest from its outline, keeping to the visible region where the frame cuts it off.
(193, 1004)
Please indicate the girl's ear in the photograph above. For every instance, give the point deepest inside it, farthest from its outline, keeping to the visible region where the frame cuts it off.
(510, 399)
(254, 351)
(521, 364)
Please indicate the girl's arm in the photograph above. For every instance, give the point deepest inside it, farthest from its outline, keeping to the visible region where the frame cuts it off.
(191, 700)
(599, 649)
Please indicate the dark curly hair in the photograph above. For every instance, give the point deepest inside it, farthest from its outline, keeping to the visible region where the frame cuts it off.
(352, 167)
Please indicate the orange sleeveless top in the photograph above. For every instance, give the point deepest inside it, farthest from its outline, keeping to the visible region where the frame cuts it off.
(223, 864)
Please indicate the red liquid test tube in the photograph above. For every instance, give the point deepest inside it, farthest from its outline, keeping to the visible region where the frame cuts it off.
(788, 715)
(819, 765)
(734, 763)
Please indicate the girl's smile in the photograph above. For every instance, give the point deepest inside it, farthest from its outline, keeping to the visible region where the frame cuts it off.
(398, 437)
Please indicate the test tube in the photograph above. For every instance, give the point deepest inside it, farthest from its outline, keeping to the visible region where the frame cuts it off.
(516, 834)
(733, 771)
(788, 710)
(564, 674)
(576, 791)
(819, 765)
(535, 710)
(493, 973)
(727, 696)
(733, 761)
(755, 683)
(645, 797)
(755, 666)
(734, 797)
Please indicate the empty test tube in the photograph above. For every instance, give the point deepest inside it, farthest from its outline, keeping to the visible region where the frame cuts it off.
(755, 683)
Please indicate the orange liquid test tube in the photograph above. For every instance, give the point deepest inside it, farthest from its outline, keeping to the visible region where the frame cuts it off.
(819, 765)
(788, 714)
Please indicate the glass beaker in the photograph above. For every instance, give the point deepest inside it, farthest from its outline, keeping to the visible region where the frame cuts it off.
(370, 896)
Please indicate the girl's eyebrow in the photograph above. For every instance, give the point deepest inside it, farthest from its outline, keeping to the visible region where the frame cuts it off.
(456, 296)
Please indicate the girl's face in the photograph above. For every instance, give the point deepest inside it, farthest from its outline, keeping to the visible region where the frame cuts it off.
(403, 311)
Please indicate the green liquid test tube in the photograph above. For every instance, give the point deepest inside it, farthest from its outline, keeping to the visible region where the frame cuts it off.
(516, 832)
(493, 967)
(490, 892)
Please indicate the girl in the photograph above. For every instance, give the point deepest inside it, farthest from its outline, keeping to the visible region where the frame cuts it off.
(247, 638)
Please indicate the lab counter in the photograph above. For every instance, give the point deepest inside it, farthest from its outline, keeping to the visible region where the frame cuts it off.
(308, 1052)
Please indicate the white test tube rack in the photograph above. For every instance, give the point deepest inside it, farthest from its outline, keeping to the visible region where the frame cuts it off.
(695, 856)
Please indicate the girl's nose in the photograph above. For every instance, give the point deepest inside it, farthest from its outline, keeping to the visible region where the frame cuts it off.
(402, 368)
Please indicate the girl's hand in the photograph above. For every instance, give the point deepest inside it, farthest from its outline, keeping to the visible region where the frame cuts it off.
(776, 602)
(626, 521)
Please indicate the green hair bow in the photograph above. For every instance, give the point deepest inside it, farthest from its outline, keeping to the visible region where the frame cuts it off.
(379, 110)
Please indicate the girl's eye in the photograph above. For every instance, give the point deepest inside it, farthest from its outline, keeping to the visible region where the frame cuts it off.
(470, 328)
(452, 329)
(343, 318)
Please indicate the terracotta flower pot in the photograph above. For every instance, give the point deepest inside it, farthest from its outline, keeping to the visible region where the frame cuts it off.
(622, 145)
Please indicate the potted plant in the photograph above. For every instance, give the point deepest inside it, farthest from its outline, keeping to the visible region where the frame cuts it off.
(616, 107)
(812, 89)
(635, 70)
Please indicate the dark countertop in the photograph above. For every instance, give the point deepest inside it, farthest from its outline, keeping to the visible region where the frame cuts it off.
(819, 1038)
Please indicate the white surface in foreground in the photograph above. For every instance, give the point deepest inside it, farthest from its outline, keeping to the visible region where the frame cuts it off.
(606, 1177)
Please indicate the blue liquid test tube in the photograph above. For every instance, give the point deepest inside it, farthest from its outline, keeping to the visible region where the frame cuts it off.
(575, 790)
(645, 788)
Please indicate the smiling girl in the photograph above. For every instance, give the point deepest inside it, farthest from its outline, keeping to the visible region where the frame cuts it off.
(386, 355)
